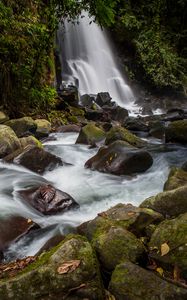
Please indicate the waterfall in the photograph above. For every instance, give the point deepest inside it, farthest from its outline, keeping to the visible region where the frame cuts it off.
(89, 63)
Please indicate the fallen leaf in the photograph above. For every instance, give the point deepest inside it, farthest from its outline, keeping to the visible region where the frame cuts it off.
(160, 271)
(164, 249)
(68, 266)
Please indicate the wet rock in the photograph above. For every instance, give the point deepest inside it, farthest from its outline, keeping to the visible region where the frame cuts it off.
(120, 133)
(169, 203)
(135, 124)
(69, 128)
(45, 279)
(22, 126)
(30, 141)
(89, 134)
(43, 128)
(70, 95)
(3, 117)
(48, 200)
(103, 99)
(38, 160)
(157, 129)
(9, 142)
(120, 159)
(116, 245)
(87, 100)
(117, 113)
(174, 234)
(177, 132)
(129, 281)
(176, 178)
(11, 228)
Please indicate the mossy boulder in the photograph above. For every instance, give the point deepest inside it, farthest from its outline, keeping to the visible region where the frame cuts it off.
(176, 178)
(116, 245)
(169, 203)
(44, 279)
(120, 133)
(177, 131)
(9, 142)
(130, 217)
(129, 281)
(119, 158)
(174, 234)
(3, 117)
(30, 140)
(43, 128)
(38, 160)
(22, 126)
(90, 134)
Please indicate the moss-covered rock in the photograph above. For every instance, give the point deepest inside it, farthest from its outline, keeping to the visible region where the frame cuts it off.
(176, 178)
(22, 126)
(169, 203)
(3, 117)
(43, 128)
(120, 159)
(120, 133)
(30, 140)
(177, 131)
(174, 233)
(9, 142)
(42, 279)
(90, 134)
(116, 245)
(132, 282)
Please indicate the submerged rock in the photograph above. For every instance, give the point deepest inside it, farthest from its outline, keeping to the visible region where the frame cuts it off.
(38, 160)
(90, 134)
(23, 126)
(174, 234)
(132, 282)
(177, 132)
(48, 200)
(9, 142)
(120, 133)
(120, 159)
(69, 271)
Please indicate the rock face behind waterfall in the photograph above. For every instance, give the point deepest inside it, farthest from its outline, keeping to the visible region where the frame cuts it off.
(48, 200)
(119, 159)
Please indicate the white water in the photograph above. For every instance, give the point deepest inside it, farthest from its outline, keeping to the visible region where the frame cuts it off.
(94, 191)
(88, 61)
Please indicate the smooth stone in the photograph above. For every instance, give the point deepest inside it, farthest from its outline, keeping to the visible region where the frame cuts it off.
(23, 126)
(9, 142)
(89, 134)
(43, 128)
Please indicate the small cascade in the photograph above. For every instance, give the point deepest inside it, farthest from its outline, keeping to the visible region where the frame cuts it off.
(89, 63)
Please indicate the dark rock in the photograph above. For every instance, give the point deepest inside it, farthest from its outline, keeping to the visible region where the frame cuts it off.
(69, 128)
(97, 115)
(90, 134)
(169, 203)
(177, 132)
(70, 95)
(132, 282)
(117, 113)
(135, 124)
(87, 100)
(48, 200)
(157, 129)
(119, 159)
(174, 233)
(103, 99)
(38, 160)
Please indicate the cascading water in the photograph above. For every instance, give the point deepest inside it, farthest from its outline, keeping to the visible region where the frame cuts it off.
(88, 62)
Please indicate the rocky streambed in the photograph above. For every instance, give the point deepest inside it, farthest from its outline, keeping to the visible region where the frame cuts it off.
(97, 210)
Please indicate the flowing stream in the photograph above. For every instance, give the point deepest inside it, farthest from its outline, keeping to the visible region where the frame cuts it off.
(89, 63)
(94, 191)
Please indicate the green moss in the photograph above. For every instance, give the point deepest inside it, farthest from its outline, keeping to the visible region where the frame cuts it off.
(176, 178)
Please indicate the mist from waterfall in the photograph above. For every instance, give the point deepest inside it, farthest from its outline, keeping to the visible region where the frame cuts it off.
(89, 63)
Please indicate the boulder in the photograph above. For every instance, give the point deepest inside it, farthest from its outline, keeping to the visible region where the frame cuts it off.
(97, 115)
(43, 128)
(176, 178)
(173, 234)
(103, 99)
(120, 159)
(69, 128)
(48, 200)
(129, 281)
(68, 271)
(135, 124)
(23, 126)
(177, 131)
(87, 100)
(90, 134)
(9, 142)
(120, 133)
(116, 245)
(169, 203)
(38, 160)
(157, 129)
(30, 141)
(117, 113)
(3, 117)
(70, 95)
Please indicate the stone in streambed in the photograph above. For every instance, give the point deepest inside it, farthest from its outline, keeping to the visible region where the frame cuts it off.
(90, 134)
(43, 128)
(9, 142)
(129, 281)
(48, 200)
(119, 158)
(177, 131)
(22, 126)
(176, 178)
